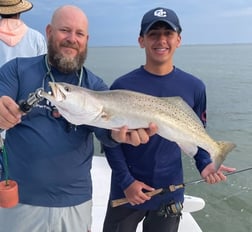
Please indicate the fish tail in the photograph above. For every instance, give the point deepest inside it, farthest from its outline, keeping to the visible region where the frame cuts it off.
(224, 148)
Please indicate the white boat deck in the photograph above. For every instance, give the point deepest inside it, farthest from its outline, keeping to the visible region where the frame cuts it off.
(101, 184)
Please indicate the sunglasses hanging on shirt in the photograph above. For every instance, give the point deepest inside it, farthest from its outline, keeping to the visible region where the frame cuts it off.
(54, 111)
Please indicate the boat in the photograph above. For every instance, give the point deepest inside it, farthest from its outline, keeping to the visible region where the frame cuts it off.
(101, 184)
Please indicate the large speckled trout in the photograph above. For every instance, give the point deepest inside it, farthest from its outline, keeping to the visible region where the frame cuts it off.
(113, 109)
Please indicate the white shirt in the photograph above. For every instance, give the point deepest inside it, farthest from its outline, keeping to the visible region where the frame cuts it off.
(18, 40)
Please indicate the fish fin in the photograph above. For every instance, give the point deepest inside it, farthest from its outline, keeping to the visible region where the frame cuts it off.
(188, 148)
(104, 116)
(224, 148)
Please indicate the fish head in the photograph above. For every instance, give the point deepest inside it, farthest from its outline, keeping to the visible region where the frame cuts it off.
(74, 103)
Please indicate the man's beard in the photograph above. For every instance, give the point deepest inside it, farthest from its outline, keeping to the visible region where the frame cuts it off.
(66, 64)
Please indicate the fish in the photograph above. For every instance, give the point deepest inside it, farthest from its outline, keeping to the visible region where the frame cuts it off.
(113, 109)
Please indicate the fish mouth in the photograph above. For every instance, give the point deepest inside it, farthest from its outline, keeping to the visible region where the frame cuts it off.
(57, 93)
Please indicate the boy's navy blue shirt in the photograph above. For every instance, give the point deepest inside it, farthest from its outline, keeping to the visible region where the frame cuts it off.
(157, 163)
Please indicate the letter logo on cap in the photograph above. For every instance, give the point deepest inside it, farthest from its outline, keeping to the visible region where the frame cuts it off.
(160, 13)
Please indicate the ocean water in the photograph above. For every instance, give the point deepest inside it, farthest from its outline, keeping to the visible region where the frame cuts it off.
(227, 72)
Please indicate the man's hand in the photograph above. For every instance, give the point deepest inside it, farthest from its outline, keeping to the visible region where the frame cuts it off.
(134, 193)
(211, 176)
(10, 115)
(134, 137)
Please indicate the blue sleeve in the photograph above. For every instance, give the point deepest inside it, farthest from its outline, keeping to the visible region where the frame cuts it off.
(8, 81)
(202, 158)
(104, 137)
(117, 162)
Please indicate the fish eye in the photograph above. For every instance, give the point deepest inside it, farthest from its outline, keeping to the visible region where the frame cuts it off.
(67, 89)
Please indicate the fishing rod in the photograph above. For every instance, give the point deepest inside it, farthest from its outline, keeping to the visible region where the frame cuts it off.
(226, 174)
(172, 188)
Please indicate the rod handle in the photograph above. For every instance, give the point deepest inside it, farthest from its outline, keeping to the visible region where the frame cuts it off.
(123, 201)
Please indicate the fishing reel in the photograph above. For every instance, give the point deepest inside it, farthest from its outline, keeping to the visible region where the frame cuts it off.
(171, 209)
(32, 100)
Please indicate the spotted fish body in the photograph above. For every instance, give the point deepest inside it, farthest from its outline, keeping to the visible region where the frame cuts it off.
(113, 109)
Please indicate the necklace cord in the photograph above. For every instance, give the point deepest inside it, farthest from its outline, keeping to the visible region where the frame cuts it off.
(5, 164)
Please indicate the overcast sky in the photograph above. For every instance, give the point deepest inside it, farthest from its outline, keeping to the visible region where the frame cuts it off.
(117, 22)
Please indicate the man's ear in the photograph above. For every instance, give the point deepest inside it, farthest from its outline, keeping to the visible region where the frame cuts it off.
(48, 30)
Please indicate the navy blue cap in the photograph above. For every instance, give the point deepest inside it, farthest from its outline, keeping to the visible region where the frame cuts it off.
(160, 14)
